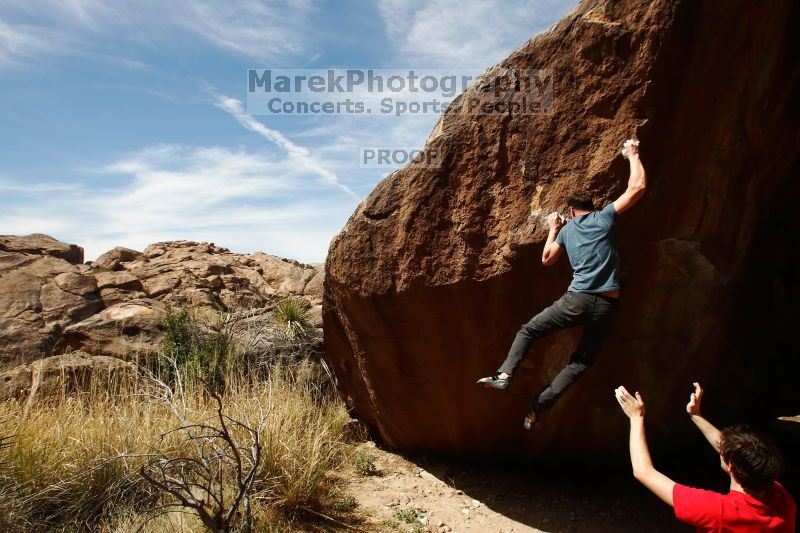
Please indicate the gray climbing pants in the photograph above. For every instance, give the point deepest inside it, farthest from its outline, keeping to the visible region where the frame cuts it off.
(595, 312)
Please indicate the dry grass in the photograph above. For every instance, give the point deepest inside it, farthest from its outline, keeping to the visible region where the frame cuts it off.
(72, 464)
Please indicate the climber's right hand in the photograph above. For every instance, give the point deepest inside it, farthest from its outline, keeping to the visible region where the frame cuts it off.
(630, 148)
(554, 221)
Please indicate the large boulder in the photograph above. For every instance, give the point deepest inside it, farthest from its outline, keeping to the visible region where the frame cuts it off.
(435, 271)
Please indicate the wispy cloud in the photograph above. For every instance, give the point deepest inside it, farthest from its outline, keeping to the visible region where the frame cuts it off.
(36, 188)
(426, 32)
(240, 199)
(257, 30)
(297, 153)
(21, 42)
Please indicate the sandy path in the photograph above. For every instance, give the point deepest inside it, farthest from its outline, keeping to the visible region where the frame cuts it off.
(461, 498)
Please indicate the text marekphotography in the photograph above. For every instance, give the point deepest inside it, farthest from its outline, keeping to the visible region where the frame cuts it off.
(397, 92)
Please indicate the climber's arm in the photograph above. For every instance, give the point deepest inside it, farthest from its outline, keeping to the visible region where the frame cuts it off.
(637, 182)
(552, 250)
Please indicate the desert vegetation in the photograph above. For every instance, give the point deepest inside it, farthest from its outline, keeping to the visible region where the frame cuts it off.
(234, 426)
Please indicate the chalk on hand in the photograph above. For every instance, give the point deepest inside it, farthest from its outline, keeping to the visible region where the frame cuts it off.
(543, 219)
(628, 144)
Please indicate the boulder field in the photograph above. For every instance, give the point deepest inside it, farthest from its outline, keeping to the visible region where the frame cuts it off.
(51, 302)
(433, 274)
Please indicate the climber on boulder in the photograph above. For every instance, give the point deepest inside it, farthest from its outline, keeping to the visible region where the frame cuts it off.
(592, 299)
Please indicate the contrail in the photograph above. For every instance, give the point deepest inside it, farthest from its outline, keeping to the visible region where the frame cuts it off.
(234, 107)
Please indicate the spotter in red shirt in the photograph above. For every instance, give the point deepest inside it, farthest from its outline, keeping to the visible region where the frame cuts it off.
(736, 511)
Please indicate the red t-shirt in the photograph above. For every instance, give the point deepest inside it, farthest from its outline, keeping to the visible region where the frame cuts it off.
(736, 511)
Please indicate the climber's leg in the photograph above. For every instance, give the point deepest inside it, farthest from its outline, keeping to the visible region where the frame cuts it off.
(601, 318)
(568, 311)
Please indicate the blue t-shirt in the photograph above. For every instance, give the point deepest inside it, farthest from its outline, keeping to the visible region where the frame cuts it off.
(591, 247)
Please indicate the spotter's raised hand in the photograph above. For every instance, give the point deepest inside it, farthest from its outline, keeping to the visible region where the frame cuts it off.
(632, 406)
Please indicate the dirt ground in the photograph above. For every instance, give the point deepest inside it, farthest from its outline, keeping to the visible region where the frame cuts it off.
(435, 495)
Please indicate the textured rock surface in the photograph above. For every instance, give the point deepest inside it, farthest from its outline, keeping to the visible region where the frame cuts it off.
(433, 274)
(35, 295)
(69, 298)
(40, 244)
(116, 287)
(65, 373)
(49, 302)
(114, 259)
(128, 330)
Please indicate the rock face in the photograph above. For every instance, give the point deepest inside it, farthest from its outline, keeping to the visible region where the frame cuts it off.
(39, 244)
(50, 302)
(42, 288)
(128, 330)
(183, 271)
(432, 276)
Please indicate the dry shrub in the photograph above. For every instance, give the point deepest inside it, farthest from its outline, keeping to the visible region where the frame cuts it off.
(73, 462)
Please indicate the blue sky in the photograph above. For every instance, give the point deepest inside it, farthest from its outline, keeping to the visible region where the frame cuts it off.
(124, 123)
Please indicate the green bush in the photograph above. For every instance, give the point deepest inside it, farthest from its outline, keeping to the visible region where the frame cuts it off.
(345, 504)
(364, 463)
(199, 346)
(409, 515)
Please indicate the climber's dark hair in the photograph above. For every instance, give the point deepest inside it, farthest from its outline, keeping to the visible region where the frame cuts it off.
(754, 459)
(582, 201)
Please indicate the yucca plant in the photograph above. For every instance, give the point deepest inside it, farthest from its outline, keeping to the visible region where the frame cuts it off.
(292, 317)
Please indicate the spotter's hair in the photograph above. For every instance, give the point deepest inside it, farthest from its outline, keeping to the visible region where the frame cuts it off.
(754, 459)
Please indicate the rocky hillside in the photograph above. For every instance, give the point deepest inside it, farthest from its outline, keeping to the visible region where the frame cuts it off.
(51, 301)
(433, 274)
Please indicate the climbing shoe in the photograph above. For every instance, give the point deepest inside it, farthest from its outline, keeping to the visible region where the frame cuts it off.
(535, 413)
(494, 382)
(532, 419)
